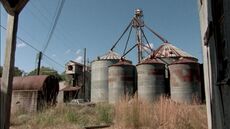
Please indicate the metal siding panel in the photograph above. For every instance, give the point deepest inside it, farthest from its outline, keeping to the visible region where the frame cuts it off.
(121, 82)
(151, 84)
(99, 80)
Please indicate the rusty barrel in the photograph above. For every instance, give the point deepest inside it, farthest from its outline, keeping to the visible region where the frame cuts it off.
(122, 81)
(150, 79)
(185, 85)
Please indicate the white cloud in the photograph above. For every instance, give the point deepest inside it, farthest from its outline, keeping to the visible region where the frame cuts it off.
(146, 47)
(151, 45)
(68, 51)
(20, 45)
(78, 51)
(79, 59)
(54, 55)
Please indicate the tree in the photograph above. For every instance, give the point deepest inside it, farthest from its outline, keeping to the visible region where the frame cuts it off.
(17, 71)
(46, 71)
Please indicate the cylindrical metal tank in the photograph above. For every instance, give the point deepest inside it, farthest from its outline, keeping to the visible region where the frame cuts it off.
(122, 82)
(185, 82)
(150, 79)
(99, 76)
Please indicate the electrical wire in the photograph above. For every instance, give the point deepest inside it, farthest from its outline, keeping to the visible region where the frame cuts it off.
(39, 11)
(54, 25)
(28, 44)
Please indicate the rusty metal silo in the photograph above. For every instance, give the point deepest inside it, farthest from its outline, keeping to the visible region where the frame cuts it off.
(99, 76)
(185, 80)
(150, 79)
(122, 81)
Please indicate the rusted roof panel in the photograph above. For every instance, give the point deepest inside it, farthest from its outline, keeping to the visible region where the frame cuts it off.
(29, 82)
(111, 55)
(185, 61)
(122, 62)
(151, 61)
(168, 50)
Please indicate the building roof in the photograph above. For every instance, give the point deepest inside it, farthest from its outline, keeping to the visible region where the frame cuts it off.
(74, 62)
(30, 82)
(168, 50)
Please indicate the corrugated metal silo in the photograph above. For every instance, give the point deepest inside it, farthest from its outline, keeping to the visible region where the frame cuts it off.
(122, 81)
(185, 81)
(150, 79)
(99, 76)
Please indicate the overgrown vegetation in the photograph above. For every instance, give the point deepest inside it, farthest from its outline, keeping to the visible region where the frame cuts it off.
(46, 71)
(17, 71)
(132, 114)
(163, 114)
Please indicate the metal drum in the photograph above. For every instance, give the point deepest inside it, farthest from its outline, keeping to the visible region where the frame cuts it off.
(185, 81)
(121, 81)
(150, 79)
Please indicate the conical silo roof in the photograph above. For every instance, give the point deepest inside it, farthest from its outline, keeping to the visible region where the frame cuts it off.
(168, 50)
(111, 55)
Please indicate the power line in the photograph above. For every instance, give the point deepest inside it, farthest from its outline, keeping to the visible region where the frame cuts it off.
(64, 35)
(27, 43)
(54, 25)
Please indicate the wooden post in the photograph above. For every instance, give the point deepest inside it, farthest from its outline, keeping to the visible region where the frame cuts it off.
(84, 88)
(8, 70)
(13, 8)
(39, 62)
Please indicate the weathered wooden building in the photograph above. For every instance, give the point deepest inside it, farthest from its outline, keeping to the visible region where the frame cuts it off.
(215, 34)
(79, 81)
(33, 93)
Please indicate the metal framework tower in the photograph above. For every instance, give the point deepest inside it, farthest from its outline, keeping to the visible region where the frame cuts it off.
(138, 23)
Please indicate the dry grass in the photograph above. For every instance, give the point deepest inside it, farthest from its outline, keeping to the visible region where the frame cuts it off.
(163, 114)
(63, 116)
(134, 114)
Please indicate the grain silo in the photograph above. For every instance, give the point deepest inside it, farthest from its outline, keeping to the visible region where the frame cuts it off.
(99, 77)
(185, 81)
(122, 81)
(150, 79)
(169, 54)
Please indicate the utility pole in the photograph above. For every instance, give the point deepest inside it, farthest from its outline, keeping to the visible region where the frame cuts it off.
(138, 23)
(84, 65)
(52, 29)
(13, 8)
(39, 62)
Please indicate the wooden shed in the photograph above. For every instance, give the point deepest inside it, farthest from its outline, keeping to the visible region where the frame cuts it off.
(33, 93)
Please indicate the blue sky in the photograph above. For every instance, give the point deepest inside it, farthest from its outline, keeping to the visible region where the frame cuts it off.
(96, 25)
